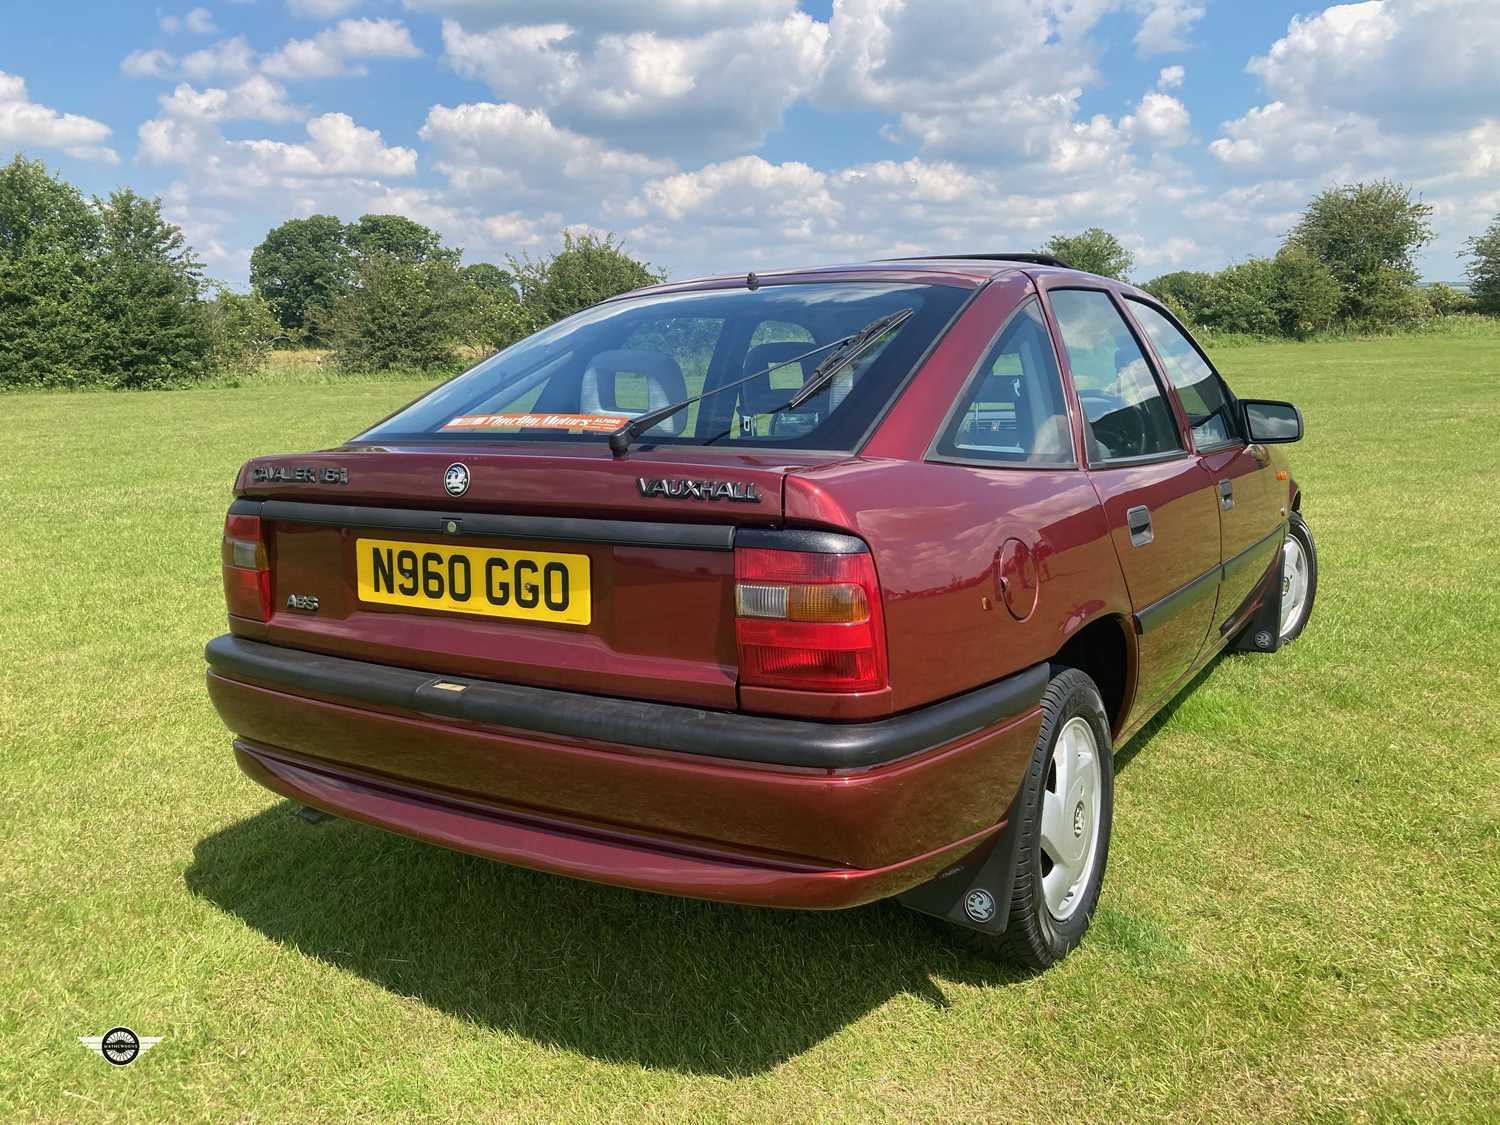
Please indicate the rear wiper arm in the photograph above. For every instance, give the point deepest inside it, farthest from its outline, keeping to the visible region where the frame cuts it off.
(853, 347)
(850, 347)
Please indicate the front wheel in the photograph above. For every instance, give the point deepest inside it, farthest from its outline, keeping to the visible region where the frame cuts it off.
(1299, 578)
(1064, 813)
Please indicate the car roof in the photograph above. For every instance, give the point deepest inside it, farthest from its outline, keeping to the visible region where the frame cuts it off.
(967, 271)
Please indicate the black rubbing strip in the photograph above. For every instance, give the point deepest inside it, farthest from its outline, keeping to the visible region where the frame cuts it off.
(630, 722)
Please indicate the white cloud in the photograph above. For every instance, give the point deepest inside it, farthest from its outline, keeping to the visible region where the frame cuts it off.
(199, 21)
(1171, 78)
(1159, 120)
(485, 148)
(663, 93)
(321, 9)
(745, 189)
(1165, 25)
(336, 147)
(672, 16)
(1399, 59)
(1359, 85)
(153, 63)
(24, 122)
(227, 59)
(334, 50)
(255, 99)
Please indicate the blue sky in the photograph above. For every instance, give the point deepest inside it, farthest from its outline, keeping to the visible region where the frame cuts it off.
(725, 135)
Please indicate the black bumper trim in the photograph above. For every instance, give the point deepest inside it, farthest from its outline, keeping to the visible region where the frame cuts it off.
(629, 722)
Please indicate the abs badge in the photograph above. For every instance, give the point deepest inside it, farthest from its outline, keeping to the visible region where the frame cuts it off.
(119, 1046)
(456, 479)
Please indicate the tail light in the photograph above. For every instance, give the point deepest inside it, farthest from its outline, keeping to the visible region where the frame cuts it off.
(247, 569)
(809, 621)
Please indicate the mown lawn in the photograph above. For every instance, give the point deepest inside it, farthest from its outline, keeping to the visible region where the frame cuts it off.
(1301, 918)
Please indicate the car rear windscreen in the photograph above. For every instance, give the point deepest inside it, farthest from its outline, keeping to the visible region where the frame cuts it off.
(588, 375)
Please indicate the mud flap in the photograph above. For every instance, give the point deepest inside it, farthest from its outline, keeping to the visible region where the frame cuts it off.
(975, 892)
(1263, 632)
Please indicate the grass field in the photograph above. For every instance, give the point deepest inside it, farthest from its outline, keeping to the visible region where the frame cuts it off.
(1301, 917)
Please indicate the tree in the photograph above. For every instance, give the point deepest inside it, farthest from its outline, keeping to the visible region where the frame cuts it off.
(1367, 235)
(1306, 294)
(1093, 251)
(1243, 298)
(403, 314)
(303, 264)
(151, 328)
(1183, 291)
(488, 276)
(40, 212)
(589, 269)
(49, 244)
(399, 237)
(1483, 252)
(1446, 300)
(241, 328)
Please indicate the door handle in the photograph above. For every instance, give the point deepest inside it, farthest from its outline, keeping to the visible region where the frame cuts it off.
(1138, 520)
(1226, 495)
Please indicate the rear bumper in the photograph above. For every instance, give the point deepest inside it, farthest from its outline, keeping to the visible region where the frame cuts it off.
(543, 844)
(739, 808)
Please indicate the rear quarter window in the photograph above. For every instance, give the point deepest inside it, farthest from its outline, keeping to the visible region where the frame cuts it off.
(1013, 411)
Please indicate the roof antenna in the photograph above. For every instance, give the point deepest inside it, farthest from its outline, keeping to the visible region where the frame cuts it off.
(751, 281)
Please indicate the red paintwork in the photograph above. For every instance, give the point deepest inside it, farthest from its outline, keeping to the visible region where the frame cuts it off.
(942, 536)
(865, 818)
(543, 845)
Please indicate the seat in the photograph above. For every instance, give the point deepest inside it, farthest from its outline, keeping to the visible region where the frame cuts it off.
(598, 392)
(760, 395)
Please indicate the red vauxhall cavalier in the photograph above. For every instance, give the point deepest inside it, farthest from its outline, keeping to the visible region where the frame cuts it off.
(803, 589)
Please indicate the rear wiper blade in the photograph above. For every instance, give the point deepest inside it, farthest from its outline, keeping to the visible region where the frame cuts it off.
(853, 347)
(849, 347)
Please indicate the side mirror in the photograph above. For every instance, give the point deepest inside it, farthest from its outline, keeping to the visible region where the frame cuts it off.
(1268, 422)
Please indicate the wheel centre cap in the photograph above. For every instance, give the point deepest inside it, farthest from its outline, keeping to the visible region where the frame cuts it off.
(1079, 820)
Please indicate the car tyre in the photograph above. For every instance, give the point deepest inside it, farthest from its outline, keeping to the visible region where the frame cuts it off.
(1063, 812)
(1299, 578)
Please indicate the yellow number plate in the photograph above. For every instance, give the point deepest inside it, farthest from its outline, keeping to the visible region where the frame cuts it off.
(534, 585)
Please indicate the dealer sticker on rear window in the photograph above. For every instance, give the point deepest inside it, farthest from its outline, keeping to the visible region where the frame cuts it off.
(594, 423)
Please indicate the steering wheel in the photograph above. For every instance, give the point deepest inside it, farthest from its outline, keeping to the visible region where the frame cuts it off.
(1120, 428)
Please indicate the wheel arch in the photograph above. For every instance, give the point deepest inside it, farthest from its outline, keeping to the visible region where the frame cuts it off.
(1105, 651)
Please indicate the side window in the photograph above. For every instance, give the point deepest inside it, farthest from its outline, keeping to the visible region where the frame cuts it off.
(1127, 414)
(1013, 410)
(1205, 398)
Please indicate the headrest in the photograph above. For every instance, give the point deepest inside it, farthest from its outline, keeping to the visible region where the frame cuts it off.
(759, 395)
(598, 392)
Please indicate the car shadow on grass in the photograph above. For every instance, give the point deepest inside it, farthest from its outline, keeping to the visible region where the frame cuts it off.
(617, 975)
